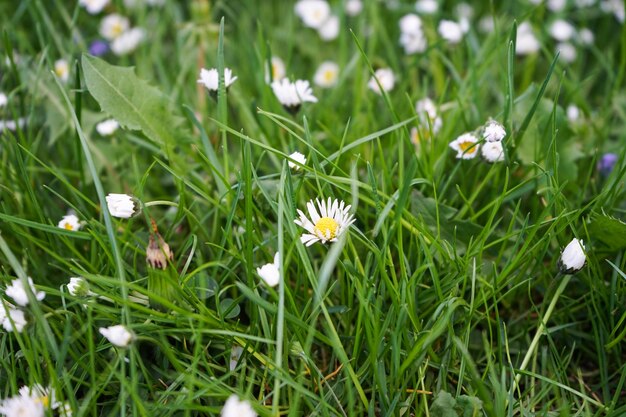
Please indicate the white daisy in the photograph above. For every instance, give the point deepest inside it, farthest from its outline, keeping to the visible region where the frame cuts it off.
(354, 7)
(313, 13)
(426, 109)
(234, 407)
(573, 113)
(4, 100)
(333, 220)
(567, 51)
(585, 36)
(113, 25)
(278, 70)
(292, 95)
(412, 36)
(561, 30)
(327, 74)
(270, 273)
(526, 42)
(14, 321)
(22, 405)
(297, 157)
(385, 77)
(93, 6)
(121, 205)
(427, 6)
(556, 5)
(329, 29)
(410, 23)
(62, 69)
(128, 41)
(118, 335)
(17, 291)
(466, 146)
(573, 257)
(451, 31)
(210, 78)
(492, 151)
(107, 127)
(494, 132)
(69, 222)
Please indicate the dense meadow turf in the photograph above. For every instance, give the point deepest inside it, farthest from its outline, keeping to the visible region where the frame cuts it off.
(464, 257)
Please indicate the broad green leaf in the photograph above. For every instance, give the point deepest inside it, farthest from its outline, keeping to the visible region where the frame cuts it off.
(443, 406)
(134, 103)
(608, 230)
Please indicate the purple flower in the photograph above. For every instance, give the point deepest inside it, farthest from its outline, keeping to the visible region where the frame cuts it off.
(606, 164)
(98, 48)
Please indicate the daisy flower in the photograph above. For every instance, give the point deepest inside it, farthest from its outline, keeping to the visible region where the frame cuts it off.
(526, 42)
(12, 319)
(234, 407)
(128, 41)
(277, 70)
(561, 30)
(292, 95)
(62, 69)
(492, 151)
(385, 77)
(412, 36)
(18, 293)
(4, 100)
(113, 26)
(269, 273)
(158, 254)
(93, 6)
(107, 127)
(314, 13)
(466, 146)
(329, 29)
(22, 405)
(122, 205)
(118, 335)
(494, 132)
(210, 79)
(69, 222)
(567, 51)
(427, 6)
(332, 220)
(354, 7)
(297, 157)
(426, 109)
(327, 74)
(451, 31)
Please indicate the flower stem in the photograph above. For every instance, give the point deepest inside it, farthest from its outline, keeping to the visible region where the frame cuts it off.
(542, 327)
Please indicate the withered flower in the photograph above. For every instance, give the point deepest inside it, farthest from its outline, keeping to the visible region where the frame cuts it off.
(158, 252)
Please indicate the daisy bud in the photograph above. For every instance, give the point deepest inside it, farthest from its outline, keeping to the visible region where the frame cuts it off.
(123, 206)
(158, 253)
(573, 257)
(78, 287)
(118, 335)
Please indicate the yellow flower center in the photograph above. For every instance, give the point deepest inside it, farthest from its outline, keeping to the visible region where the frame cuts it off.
(117, 29)
(468, 147)
(45, 400)
(326, 227)
(329, 76)
(68, 226)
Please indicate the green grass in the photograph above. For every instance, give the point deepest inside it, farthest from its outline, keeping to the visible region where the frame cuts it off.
(440, 285)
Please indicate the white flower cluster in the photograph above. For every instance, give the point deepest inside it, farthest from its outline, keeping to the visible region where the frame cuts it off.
(34, 402)
(468, 144)
(210, 79)
(317, 15)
